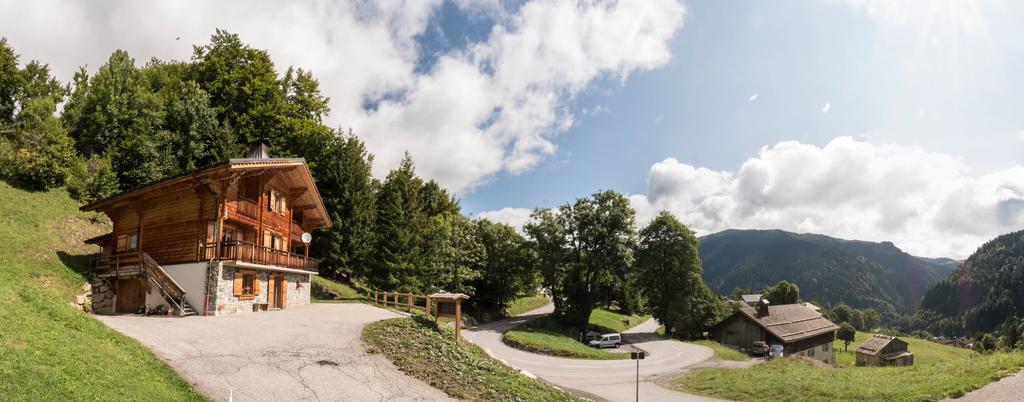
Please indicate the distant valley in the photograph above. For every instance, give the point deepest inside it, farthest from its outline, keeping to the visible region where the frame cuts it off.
(829, 271)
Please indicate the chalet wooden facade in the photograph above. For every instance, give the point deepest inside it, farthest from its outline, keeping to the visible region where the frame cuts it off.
(226, 238)
(801, 331)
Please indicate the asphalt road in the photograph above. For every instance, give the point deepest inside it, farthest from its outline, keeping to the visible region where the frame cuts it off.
(1008, 389)
(312, 352)
(612, 380)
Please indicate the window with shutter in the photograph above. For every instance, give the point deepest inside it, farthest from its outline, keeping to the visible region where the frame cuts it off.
(238, 283)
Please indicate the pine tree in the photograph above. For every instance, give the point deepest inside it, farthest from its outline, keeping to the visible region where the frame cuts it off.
(400, 225)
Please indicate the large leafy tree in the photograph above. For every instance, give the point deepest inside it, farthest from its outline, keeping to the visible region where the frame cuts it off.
(668, 273)
(585, 249)
(10, 82)
(508, 269)
(782, 293)
(242, 85)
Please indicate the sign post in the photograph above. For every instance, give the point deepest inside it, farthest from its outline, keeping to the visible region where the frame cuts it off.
(448, 305)
(638, 356)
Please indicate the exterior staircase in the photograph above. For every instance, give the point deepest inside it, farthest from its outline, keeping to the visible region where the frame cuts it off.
(142, 264)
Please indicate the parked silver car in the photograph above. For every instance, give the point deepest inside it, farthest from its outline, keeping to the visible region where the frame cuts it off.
(606, 340)
(775, 351)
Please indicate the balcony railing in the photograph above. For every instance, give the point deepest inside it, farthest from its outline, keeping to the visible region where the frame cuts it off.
(244, 251)
(248, 208)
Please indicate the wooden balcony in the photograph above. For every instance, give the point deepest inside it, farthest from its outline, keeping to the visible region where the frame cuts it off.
(237, 250)
(248, 208)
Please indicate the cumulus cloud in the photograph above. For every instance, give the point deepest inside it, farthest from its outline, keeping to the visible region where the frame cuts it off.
(515, 217)
(928, 203)
(492, 106)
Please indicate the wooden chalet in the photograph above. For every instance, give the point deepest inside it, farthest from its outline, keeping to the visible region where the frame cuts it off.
(884, 350)
(226, 238)
(800, 330)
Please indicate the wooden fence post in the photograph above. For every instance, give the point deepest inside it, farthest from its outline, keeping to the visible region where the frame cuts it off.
(408, 302)
(426, 307)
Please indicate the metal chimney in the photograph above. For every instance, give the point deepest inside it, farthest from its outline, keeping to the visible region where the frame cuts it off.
(259, 149)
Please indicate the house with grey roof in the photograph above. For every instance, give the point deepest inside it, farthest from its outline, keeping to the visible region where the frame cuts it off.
(800, 330)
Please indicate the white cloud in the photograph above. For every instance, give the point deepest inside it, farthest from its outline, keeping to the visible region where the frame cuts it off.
(515, 217)
(752, 98)
(491, 107)
(928, 203)
(826, 108)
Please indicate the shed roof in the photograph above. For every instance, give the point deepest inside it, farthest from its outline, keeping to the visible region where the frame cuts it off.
(751, 299)
(874, 345)
(790, 322)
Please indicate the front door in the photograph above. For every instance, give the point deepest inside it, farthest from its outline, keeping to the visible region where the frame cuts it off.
(278, 293)
(131, 294)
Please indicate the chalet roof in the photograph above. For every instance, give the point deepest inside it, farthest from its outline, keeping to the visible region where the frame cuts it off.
(790, 322)
(751, 299)
(295, 169)
(875, 344)
(811, 306)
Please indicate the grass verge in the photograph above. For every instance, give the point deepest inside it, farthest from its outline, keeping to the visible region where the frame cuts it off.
(48, 349)
(794, 379)
(326, 290)
(721, 351)
(526, 304)
(546, 336)
(430, 353)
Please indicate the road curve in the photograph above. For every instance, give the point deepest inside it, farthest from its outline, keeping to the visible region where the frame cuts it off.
(611, 380)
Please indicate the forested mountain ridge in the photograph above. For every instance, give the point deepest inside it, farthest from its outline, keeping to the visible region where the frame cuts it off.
(985, 292)
(828, 270)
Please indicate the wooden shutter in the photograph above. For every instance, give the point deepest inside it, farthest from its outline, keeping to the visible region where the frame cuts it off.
(256, 284)
(238, 283)
(284, 292)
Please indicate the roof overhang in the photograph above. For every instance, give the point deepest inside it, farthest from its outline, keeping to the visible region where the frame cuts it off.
(233, 168)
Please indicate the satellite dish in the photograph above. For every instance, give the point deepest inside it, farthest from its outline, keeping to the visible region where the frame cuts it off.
(306, 237)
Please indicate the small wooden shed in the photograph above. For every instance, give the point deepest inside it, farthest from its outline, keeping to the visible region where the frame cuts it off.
(884, 350)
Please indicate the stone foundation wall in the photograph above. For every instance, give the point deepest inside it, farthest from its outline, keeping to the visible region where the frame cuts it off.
(224, 302)
(102, 295)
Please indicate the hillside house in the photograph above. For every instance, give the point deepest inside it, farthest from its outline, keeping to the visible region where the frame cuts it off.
(227, 238)
(884, 350)
(752, 299)
(801, 331)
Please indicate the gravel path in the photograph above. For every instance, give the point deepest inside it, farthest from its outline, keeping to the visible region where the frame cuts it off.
(312, 352)
(612, 380)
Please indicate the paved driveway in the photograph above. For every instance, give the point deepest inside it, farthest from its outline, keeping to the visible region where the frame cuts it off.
(311, 352)
(613, 380)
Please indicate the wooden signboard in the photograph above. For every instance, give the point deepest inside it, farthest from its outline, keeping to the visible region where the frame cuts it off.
(449, 305)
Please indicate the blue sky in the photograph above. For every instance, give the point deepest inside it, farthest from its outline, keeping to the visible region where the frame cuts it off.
(869, 119)
(796, 57)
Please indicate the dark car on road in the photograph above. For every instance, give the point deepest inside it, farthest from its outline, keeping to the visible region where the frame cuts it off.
(759, 348)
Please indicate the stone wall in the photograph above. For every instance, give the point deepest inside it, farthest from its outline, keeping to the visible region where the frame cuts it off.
(102, 295)
(225, 302)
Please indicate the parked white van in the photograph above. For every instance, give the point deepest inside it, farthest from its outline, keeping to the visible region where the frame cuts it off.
(606, 340)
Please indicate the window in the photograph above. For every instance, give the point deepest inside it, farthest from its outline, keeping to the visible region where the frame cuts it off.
(810, 352)
(229, 234)
(248, 285)
(277, 202)
(824, 347)
(128, 241)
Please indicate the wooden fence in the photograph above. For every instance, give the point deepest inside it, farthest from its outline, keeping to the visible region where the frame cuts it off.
(398, 299)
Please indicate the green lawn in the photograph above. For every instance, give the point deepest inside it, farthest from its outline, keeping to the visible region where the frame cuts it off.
(526, 304)
(722, 352)
(326, 290)
(430, 353)
(48, 349)
(939, 371)
(545, 335)
(925, 352)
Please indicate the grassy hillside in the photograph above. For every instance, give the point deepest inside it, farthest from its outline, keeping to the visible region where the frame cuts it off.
(829, 271)
(428, 352)
(938, 371)
(48, 349)
(326, 290)
(925, 352)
